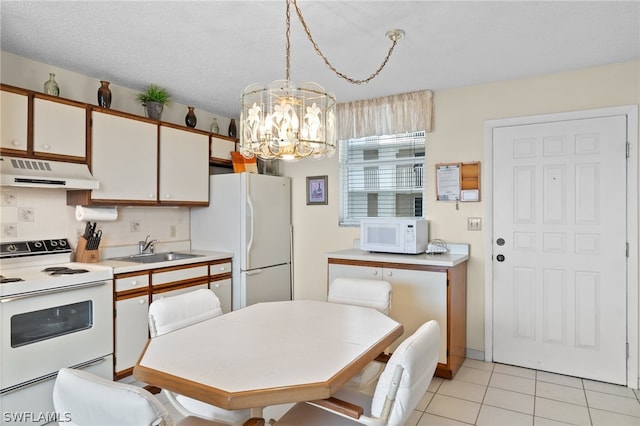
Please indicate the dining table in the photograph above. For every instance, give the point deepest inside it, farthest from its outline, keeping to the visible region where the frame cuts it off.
(268, 353)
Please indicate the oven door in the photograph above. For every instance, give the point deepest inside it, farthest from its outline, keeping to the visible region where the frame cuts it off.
(61, 327)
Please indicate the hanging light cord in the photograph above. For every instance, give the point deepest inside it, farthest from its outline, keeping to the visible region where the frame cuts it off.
(393, 35)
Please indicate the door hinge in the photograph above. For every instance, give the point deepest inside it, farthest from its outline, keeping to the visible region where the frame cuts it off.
(627, 249)
(628, 148)
(627, 351)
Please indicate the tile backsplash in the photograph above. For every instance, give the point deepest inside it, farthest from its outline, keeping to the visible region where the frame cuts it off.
(34, 213)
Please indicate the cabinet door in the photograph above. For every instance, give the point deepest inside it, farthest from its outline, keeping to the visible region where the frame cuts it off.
(222, 289)
(418, 297)
(132, 330)
(184, 166)
(13, 120)
(221, 148)
(124, 158)
(59, 128)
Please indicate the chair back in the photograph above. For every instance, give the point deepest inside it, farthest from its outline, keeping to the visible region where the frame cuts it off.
(361, 292)
(176, 312)
(417, 357)
(86, 399)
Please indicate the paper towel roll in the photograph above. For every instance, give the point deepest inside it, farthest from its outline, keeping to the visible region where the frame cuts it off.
(102, 214)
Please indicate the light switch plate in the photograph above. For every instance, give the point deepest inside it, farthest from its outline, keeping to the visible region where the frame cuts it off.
(474, 223)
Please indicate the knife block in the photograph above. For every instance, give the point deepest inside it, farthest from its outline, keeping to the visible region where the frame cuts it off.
(86, 256)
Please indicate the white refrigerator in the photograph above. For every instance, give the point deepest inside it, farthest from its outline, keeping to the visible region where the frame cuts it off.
(249, 215)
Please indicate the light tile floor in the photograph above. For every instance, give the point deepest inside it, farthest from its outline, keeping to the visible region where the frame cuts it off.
(489, 394)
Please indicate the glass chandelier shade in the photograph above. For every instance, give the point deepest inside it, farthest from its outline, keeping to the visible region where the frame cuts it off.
(287, 121)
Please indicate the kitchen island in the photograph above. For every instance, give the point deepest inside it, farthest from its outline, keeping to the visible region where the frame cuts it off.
(425, 287)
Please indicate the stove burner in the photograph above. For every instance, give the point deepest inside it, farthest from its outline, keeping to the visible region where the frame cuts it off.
(9, 280)
(55, 268)
(68, 271)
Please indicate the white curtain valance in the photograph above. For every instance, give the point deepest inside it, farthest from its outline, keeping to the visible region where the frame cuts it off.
(402, 113)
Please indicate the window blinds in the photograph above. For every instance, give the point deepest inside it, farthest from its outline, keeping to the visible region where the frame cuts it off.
(382, 176)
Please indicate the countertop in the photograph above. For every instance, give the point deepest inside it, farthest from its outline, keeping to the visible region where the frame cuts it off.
(457, 254)
(120, 266)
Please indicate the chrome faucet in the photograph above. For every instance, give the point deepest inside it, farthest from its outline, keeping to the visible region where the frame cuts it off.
(145, 245)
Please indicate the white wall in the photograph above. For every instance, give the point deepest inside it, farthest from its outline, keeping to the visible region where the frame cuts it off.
(458, 136)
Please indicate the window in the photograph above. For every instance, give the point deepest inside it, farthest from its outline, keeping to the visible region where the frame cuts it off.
(382, 176)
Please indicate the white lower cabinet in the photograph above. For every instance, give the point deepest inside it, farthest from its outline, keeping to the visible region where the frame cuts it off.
(222, 289)
(182, 290)
(420, 294)
(135, 290)
(132, 330)
(220, 283)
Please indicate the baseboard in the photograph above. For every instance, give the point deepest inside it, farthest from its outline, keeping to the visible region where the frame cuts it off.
(475, 354)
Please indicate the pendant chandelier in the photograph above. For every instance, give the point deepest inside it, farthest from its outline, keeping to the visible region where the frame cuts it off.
(286, 121)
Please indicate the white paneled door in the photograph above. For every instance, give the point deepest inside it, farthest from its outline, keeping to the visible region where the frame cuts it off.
(559, 247)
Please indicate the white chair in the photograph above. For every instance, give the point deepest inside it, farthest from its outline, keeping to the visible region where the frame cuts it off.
(84, 399)
(374, 294)
(401, 386)
(172, 313)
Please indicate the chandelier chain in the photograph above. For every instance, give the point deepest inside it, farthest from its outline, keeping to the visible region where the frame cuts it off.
(324, 58)
(288, 45)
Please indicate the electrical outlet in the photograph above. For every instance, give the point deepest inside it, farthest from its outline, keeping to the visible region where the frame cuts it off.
(474, 224)
(135, 226)
(172, 231)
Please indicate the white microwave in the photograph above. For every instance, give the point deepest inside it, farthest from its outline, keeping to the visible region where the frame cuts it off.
(394, 235)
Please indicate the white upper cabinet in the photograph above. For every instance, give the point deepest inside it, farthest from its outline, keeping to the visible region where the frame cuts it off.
(124, 158)
(184, 166)
(59, 128)
(14, 115)
(221, 148)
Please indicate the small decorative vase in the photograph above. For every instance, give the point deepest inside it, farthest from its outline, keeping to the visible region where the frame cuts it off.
(233, 132)
(154, 110)
(51, 87)
(214, 128)
(190, 119)
(104, 95)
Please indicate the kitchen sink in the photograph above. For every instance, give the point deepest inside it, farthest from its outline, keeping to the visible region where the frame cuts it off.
(155, 257)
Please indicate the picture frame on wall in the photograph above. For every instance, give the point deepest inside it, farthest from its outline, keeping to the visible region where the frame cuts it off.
(316, 190)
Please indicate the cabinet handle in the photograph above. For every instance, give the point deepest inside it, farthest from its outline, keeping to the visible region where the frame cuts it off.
(16, 143)
(389, 273)
(134, 283)
(46, 147)
(152, 196)
(142, 302)
(217, 286)
(168, 196)
(375, 272)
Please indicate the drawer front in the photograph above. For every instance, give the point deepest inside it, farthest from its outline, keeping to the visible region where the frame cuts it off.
(220, 268)
(180, 275)
(182, 290)
(132, 283)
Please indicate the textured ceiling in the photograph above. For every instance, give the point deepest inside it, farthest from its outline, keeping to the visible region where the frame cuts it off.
(206, 52)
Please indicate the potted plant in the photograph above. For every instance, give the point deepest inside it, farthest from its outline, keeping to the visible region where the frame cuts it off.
(154, 98)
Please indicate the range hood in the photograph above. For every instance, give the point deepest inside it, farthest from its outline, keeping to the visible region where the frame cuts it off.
(34, 173)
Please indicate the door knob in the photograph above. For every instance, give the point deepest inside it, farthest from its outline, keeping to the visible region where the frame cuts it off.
(500, 241)
(500, 258)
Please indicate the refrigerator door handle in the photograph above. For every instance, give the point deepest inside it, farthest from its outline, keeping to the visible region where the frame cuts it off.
(254, 272)
(250, 243)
